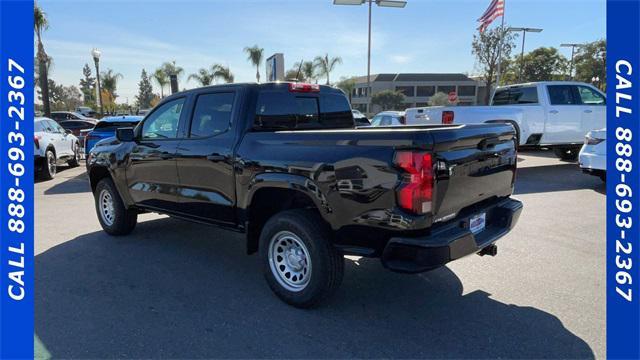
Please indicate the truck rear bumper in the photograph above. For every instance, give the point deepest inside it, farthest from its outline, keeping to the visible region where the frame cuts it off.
(452, 240)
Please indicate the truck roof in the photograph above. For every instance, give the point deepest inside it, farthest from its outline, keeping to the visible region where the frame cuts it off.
(278, 85)
(559, 82)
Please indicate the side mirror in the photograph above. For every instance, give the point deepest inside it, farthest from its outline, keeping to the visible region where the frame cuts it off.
(125, 134)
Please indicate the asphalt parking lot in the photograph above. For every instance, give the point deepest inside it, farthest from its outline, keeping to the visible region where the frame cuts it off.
(175, 289)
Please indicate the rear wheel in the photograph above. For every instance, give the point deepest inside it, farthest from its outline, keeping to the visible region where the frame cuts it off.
(300, 264)
(49, 165)
(114, 217)
(567, 153)
(75, 160)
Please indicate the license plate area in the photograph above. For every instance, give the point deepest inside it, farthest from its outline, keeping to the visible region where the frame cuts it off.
(477, 223)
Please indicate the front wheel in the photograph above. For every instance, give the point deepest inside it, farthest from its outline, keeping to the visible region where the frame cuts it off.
(114, 217)
(49, 166)
(300, 264)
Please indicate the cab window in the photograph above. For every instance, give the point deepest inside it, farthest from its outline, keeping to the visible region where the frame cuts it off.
(212, 114)
(163, 123)
(562, 95)
(588, 96)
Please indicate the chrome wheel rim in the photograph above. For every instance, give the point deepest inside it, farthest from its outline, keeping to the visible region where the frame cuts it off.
(106, 208)
(289, 261)
(51, 163)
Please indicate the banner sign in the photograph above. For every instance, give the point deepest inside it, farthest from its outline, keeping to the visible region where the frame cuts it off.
(623, 182)
(16, 179)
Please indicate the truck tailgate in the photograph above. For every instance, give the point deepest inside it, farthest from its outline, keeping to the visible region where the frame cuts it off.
(473, 164)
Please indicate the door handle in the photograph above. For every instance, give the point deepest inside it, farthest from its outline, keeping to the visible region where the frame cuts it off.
(553, 111)
(588, 111)
(215, 157)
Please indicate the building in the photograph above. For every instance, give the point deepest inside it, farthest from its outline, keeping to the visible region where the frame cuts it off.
(418, 89)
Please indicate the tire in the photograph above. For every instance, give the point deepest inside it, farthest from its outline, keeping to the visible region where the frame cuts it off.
(567, 154)
(314, 265)
(114, 217)
(49, 165)
(75, 161)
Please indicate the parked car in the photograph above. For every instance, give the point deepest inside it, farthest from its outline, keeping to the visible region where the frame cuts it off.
(53, 146)
(106, 128)
(555, 114)
(69, 115)
(359, 118)
(389, 118)
(76, 127)
(282, 163)
(593, 156)
(85, 111)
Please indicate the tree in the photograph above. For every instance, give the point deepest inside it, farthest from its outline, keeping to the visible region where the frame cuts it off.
(254, 55)
(203, 77)
(590, 61)
(294, 75)
(40, 24)
(110, 82)
(145, 91)
(170, 68)
(87, 85)
(222, 72)
(439, 99)
(309, 72)
(325, 65)
(485, 46)
(541, 64)
(71, 97)
(161, 79)
(388, 99)
(108, 101)
(347, 85)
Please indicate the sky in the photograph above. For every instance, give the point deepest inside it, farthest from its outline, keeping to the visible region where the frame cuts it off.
(432, 36)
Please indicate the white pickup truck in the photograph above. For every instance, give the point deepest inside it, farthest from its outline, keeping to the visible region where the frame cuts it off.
(555, 114)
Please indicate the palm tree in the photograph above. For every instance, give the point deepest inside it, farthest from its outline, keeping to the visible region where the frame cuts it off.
(161, 78)
(307, 71)
(222, 72)
(347, 85)
(41, 24)
(204, 77)
(254, 55)
(110, 82)
(170, 68)
(325, 65)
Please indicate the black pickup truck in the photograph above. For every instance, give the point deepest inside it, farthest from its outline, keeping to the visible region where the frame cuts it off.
(283, 163)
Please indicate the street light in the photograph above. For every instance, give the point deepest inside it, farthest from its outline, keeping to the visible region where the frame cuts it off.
(573, 50)
(524, 35)
(96, 59)
(381, 3)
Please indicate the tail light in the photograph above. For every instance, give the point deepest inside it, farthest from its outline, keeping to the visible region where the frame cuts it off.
(303, 88)
(416, 189)
(36, 140)
(447, 117)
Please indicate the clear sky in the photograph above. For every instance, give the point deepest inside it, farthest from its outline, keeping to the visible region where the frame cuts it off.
(426, 36)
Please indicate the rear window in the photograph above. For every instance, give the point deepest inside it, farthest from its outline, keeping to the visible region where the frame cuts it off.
(112, 126)
(519, 95)
(280, 110)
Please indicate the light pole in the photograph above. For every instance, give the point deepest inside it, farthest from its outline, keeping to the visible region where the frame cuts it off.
(524, 35)
(96, 59)
(382, 3)
(573, 51)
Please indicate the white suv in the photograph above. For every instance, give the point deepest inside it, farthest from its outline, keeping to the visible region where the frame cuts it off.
(52, 146)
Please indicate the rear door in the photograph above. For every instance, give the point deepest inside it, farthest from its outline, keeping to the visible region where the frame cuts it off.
(152, 177)
(205, 158)
(593, 109)
(564, 116)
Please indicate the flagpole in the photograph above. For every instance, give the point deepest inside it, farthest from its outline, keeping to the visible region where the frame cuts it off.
(504, 9)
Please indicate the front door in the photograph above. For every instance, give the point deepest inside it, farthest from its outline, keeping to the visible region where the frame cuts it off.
(594, 109)
(205, 159)
(564, 117)
(152, 177)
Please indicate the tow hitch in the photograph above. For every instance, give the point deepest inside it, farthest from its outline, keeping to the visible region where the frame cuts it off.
(491, 250)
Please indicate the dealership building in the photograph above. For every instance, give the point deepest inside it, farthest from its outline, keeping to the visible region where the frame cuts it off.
(418, 89)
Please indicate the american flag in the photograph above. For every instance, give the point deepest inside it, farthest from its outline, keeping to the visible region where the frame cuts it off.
(494, 11)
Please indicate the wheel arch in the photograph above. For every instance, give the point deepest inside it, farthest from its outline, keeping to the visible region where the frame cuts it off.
(513, 123)
(272, 193)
